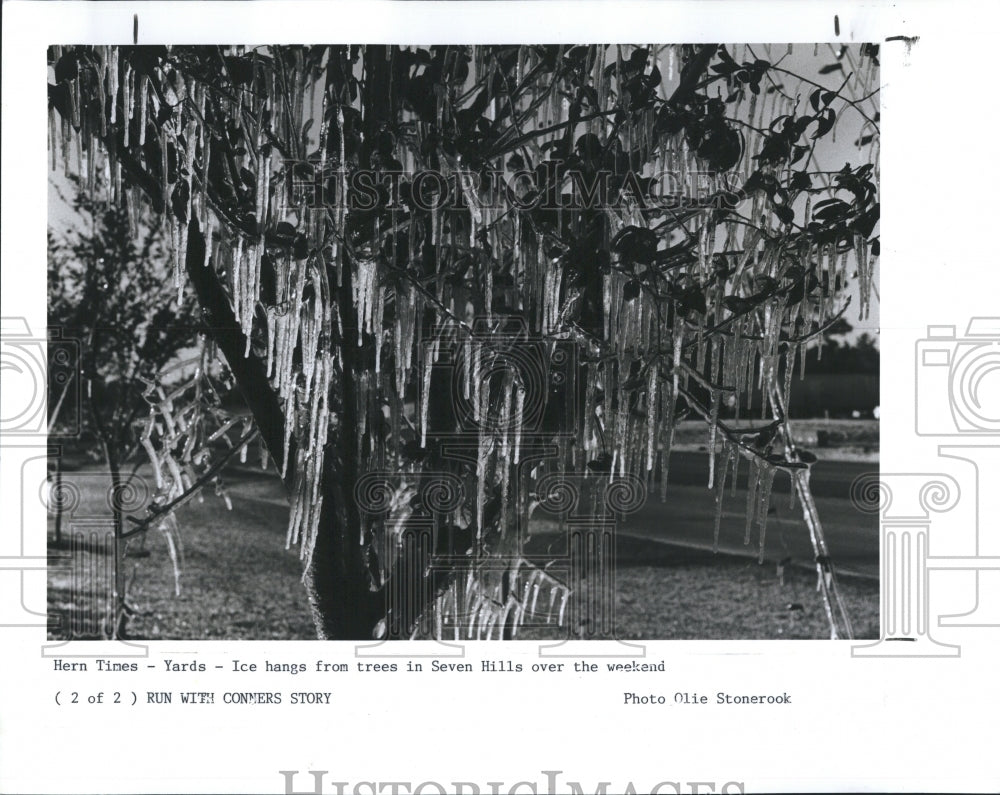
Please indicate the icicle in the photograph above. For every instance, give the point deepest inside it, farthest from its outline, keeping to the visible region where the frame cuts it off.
(607, 306)
(764, 502)
(178, 244)
(481, 464)
(376, 322)
(534, 597)
(519, 415)
(651, 402)
(477, 384)
(678, 344)
(562, 606)
(712, 432)
(790, 353)
(667, 403)
(728, 450)
(425, 394)
(467, 362)
(290, 414)
(154, 459)
(752, 479)
(143, 102)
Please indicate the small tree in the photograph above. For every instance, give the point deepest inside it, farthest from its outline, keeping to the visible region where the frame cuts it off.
(110, 287)
(452, 282)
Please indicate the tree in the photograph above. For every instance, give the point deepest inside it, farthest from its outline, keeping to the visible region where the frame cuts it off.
(834, 356)
(455, 283)
(110, 287)
(59, 306)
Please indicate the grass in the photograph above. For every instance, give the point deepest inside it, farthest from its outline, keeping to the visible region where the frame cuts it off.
(670, 593)
(237, 581)
(828, 439)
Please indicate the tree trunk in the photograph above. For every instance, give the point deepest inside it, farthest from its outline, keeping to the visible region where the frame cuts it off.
(343, 604)
(56, 489)
(118, 616)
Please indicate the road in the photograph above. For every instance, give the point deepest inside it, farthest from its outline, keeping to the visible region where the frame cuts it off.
(687, 517)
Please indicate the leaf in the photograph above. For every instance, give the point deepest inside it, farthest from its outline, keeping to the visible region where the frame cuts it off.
(735, 304)
(825, 122)
(865, 223)
(638, 58)
(515, 162)
(831, 210)
(829, 68)
(67, 67)
(692, 300)
(300, 247)
(600, 464)
(800, 181)
(179, 200)
(636, 244)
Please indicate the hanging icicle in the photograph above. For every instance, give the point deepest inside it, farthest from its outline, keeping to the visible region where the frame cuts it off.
(766, 479)
(713, 429)
(753, 478)
(728, 451)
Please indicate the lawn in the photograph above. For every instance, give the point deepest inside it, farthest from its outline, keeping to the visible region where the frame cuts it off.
(828, 439)
(237, 581)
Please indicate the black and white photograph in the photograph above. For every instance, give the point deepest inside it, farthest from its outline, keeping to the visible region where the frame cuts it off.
(465, 342)
(498, 397)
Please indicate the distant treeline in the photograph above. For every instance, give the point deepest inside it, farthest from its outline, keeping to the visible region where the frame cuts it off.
(836, 357)
(841, 381)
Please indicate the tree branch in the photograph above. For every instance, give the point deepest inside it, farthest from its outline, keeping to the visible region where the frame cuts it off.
(159, 512)
(249, 371)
